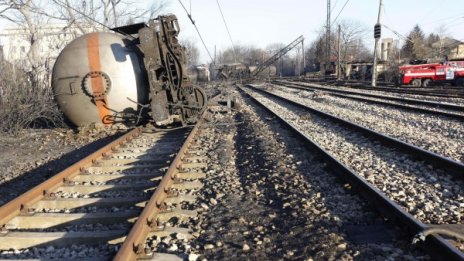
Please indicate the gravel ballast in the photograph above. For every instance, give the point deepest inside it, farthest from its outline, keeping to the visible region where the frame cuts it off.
(438, 134)
(444, 100)
(267, 197)
(427, 193)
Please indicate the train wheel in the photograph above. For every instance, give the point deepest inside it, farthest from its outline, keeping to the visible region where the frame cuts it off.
(416, 83)
(426, 82)
(460, 82)
(195, 101)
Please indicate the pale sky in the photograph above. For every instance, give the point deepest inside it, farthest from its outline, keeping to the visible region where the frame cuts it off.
(264, 22)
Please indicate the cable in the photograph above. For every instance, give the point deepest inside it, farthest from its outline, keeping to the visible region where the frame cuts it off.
(398, 34)
(436, 231)
(196, 28)
(333, 7)
(333, 22)
(432, 10)
(409, 40)
(90, 18)
(227, 28)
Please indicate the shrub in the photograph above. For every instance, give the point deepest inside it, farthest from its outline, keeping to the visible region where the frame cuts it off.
(23, 105)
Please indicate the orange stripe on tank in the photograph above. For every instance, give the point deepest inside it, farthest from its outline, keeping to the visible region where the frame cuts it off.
(93, 55)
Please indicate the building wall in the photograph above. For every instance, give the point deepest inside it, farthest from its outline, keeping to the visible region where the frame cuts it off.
(51, 40)
(385, 49)
(457, 52)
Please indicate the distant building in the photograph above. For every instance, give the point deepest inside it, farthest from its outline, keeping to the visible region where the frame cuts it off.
(450, 47)
(16, 45)
(384, 53)
(457, 53)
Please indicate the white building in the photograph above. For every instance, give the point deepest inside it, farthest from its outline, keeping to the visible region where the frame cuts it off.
(386, 49)
(52, 38)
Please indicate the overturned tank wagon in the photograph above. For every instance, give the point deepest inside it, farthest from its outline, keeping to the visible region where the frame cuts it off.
(135, 73)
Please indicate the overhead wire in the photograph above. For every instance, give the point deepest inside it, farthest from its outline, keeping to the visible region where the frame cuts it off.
(341, 10)
(198, 31)
(398, 34)
(432, 9)
(335, 5)
(90, 18)
(228, 32)
(448, 24)
(455, 17)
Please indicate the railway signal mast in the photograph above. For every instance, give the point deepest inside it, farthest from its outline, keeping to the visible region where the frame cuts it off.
(377, 35)
(327, 40)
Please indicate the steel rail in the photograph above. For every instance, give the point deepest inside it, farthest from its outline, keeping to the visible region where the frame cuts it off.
(133, 245)
(402, 106)
(24, 201)
(384, 204)
(448, 106)
(454, 167)
(442, 92)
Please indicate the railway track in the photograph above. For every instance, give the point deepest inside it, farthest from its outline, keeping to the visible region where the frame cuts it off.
(437, 91)
(117, 202)
(391, 177)
(441, 135)
(421, 106)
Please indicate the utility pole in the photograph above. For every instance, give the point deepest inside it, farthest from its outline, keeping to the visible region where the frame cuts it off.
(304, 57)
(377, 35)
(327, 44)
(339, 67)
(214, 61)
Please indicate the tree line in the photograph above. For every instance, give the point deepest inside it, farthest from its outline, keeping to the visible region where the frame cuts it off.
(354, 46)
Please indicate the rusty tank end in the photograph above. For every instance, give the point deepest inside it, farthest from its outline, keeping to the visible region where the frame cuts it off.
(137, 73)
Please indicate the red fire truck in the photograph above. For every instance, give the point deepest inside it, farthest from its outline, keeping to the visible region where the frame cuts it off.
(425, 74)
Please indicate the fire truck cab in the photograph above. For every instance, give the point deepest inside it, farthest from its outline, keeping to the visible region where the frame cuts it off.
(425, 74)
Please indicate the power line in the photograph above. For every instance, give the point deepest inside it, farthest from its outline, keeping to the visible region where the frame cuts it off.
(335, 5)
(398, 34)
(196, 28)
(228, 32)
(90, 18)
(341, 10)
(433, 9)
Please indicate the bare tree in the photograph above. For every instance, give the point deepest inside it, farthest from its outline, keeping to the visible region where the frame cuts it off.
(248, 55)
(193, 53)
(85, 15)
(104, 14)
(272, 49)
(71, 17)
(352, 40)
(352, 35)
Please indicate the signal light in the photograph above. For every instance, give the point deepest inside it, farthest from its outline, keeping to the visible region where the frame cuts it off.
(377, 31)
